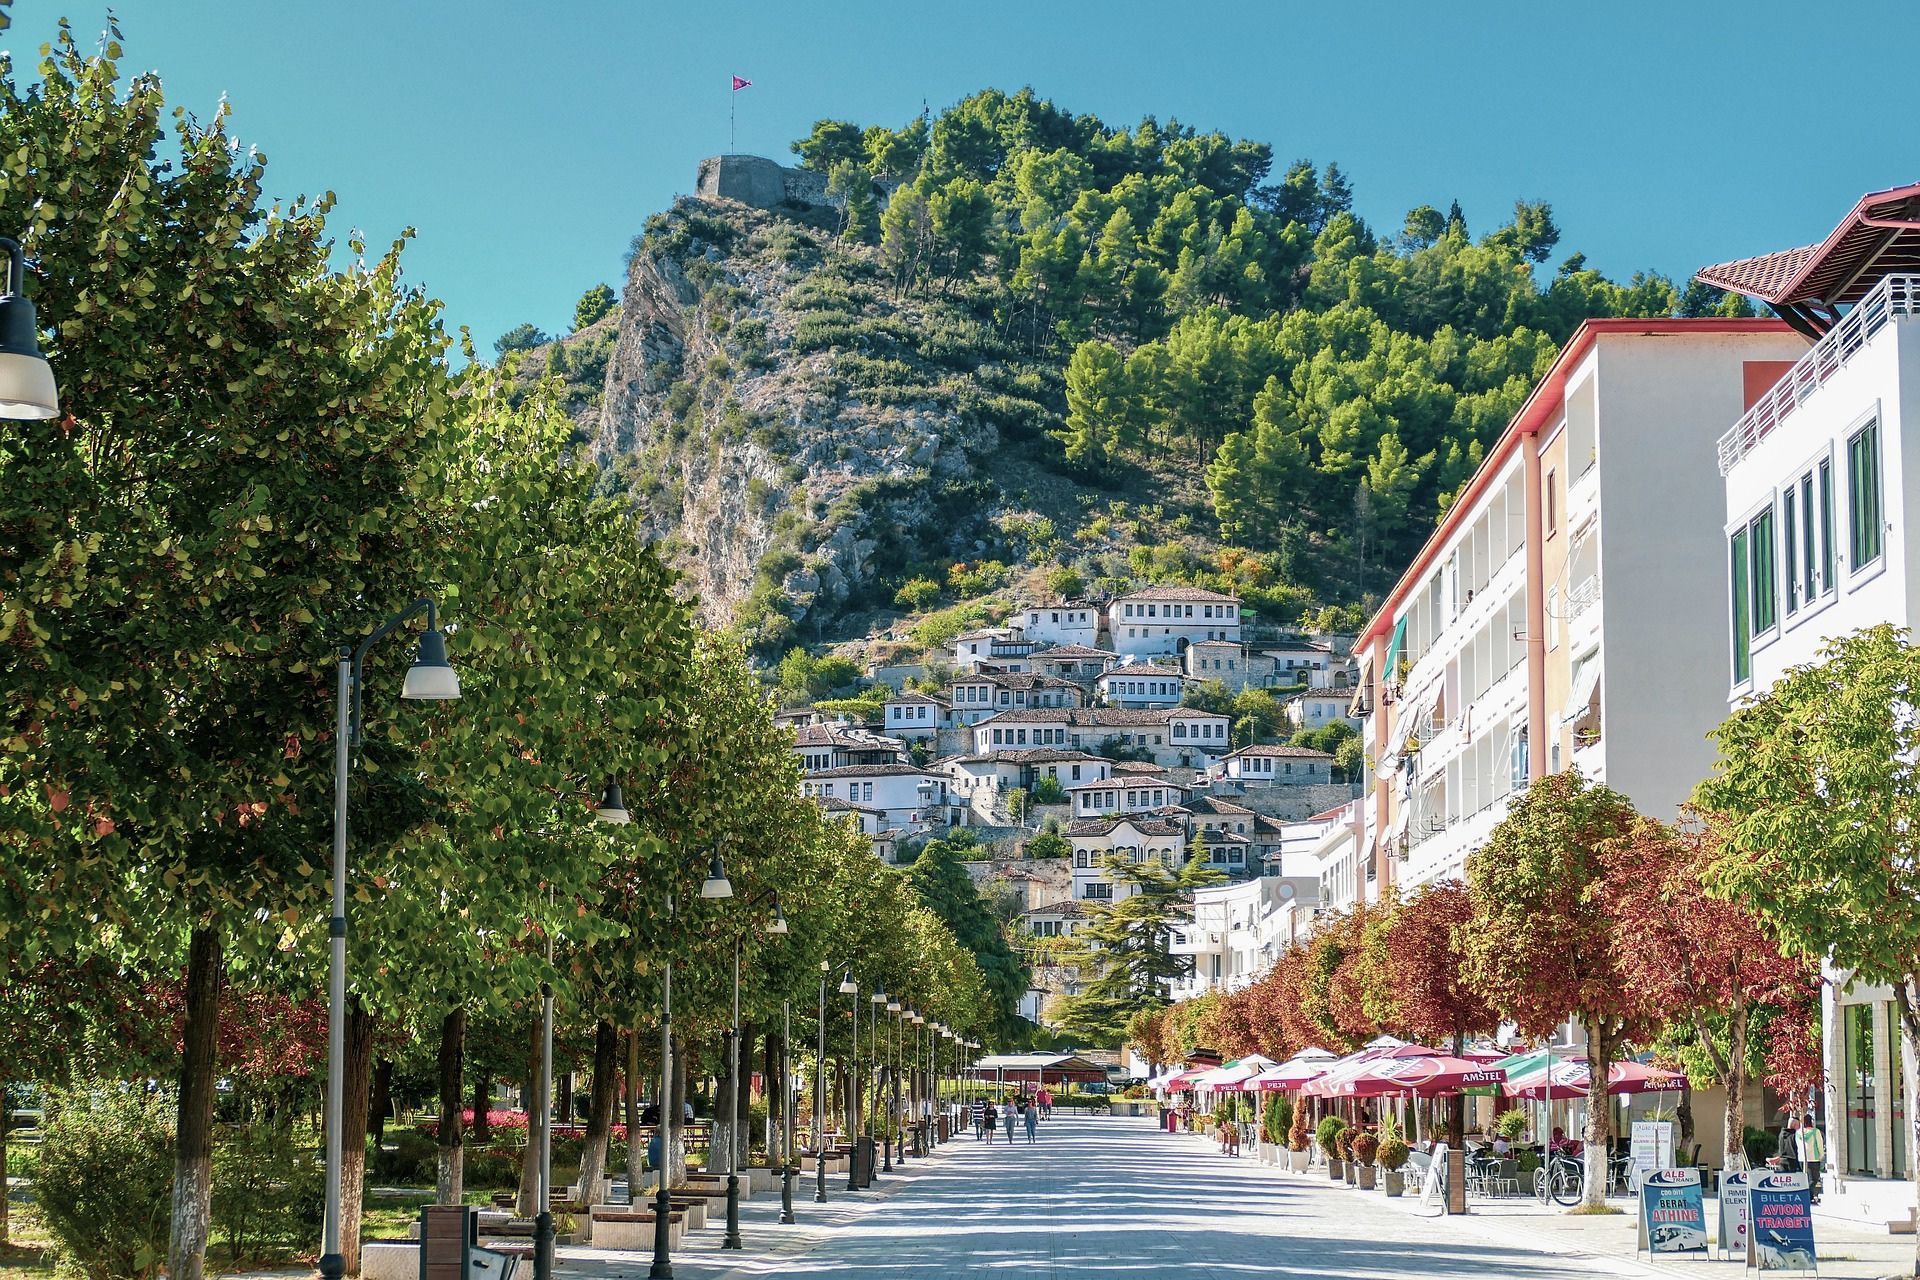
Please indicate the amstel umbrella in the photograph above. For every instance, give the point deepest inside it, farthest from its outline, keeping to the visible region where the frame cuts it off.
(1430, 1075)
(1570, 1078)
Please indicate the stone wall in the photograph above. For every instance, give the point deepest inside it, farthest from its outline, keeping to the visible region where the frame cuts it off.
(1288, 803)
(762, 183)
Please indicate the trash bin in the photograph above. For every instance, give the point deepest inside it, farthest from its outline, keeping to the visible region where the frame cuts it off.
(450, 1247)
(863, 1158)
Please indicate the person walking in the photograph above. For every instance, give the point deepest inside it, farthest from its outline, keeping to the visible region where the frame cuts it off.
(1788, 1149)
(992, 1120)
(1010, 1117)
(979, 1118)
(1046, 1103)
(1032, 1118)
(1813, 1155)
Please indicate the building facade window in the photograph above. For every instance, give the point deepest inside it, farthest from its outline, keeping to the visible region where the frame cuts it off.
(1765, 589)
(1737, 578)
(1863, 495)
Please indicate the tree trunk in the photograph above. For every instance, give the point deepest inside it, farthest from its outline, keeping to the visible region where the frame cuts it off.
(193, 1144)
(1457, 1108)
(382, 1105)
(719, 1150)
(482, 1101)
(1907, 999)
(525, 1204)
(673, 1109)
(453, 1034)
(1684, 1112)
(743, 1101)
(1599, 1117)
(773, 1073)
(1736, 1084)
(355, 1082)
(565, 1110)
(6, 1119)
(636, 1148)
(606, 1068)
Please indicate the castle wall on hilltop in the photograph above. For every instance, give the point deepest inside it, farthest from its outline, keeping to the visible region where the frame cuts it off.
(762, 183)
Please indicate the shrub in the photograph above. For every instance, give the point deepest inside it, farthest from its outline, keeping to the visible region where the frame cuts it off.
(411, 1160)
(917, 594)
(492, 1167)
(1327, 1133)
(1365, 1145)
(1065, 582)
(1393, 1147)
(1298, 1133)
(266, 1192)
(1511, 1124)
(1048, 790)
(106, 1180)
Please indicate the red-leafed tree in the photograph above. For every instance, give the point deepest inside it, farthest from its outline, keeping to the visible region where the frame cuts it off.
(1706, 964)
(1332, 991)
(1541, 944)
(1423, 971)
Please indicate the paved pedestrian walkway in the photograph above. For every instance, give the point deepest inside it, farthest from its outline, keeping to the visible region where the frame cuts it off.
(1101, 1197)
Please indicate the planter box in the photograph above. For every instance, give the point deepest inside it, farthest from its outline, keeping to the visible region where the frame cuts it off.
(1396, 1182)
(1335, 1171)
(1366, 1177)
(1352, 1172)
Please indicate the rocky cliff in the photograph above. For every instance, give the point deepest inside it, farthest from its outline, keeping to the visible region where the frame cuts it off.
(798, 435)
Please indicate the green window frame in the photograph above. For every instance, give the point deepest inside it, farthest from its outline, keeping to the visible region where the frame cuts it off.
(1789, 541)
(1827, 578)
(1863, 495)
(1737, 577)
(1765, 589)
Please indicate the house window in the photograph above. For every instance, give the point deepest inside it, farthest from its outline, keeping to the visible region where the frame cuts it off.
(866, 791)
(1737, 576)
(1863, 495)
(1790, 544)
(1761, 552)
(1551, 526)
(1100, 889)
(1827, 578)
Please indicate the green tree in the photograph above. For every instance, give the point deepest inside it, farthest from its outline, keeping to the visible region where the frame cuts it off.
(859, 210)
(918, 594)
(945, 888)
(1123, 951)
(1816, 797)
(1103, 413)
(831, 142)
(594, 305)
(522, 337)
(1049, 843)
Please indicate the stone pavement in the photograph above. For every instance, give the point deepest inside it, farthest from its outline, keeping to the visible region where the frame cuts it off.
(1099, 1197)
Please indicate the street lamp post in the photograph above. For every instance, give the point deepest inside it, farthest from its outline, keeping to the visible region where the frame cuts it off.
(716, 885)
(820, 1097)
(429, 679)
(734, 1144)
(848, 987)
(787, 1100)
(878, 1001)
(27, 389)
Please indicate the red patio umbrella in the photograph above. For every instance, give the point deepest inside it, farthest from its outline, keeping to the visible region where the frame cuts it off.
(1572, 1076)
(1431, 1075)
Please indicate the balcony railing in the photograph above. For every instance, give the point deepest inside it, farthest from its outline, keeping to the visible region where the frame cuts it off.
(1893, 297)
(1583, 598)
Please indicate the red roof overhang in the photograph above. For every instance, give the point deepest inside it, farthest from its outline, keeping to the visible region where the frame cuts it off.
(1541, 410)
(1880, 236)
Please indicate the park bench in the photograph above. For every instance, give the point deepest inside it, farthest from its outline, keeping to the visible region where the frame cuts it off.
(624, 1227)
(716, 1184)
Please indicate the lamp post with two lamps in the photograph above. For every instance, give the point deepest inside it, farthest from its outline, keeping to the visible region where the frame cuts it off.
(716, 885)
(847, 987)
(734, 1135)
(429, 679)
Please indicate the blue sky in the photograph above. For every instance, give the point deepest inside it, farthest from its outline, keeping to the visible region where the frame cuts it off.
(528, 142)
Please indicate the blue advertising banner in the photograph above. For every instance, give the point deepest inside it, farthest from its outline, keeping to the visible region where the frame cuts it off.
(1673, 1218)
(1780, 1223)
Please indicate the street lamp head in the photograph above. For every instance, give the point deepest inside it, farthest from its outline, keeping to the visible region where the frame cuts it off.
(26, 379)
(893, 1006)
(431, 678)
(716, 885)
(779, 925)
(879, 997)
(613, 807)
(848, 987)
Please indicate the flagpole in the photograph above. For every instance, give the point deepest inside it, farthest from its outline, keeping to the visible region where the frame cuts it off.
(731, 97)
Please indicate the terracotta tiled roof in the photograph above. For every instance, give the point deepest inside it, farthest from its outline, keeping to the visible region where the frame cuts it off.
(1073, 652)
(1880, 236)
(1280, 750)
(1123, 780)
(1102, 826)
(1194, 594)
(918, 697)
(833, 804)
(1025, 755)
(869, 771)
(1142, 669)
(1139, 767)
(1759, 277)
(1214, 805)
(826, 735)
(1094, 717)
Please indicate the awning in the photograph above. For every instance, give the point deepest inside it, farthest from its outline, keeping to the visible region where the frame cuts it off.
(1570, 1078)
(1586, 682)
(1435, 1075)
(1329, 1084)
(1038, 1068)
(1394, 646)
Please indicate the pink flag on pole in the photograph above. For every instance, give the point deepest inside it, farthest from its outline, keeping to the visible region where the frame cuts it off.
(739, 84)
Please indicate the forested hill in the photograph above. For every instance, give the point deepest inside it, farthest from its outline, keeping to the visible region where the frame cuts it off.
(1026, 350)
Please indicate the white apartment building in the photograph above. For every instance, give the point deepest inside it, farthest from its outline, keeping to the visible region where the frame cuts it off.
(1553, 619)
(1169, 620)
(1142, 686)
(1075, 622)
(1237, 932)
(1817, 490)
(985, 780)
(1123, 793)
(826, 746)
(987, 692)
(1005, 648)
(1317, 708)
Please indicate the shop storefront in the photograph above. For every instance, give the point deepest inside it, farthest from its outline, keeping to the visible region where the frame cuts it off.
(1868, 1084)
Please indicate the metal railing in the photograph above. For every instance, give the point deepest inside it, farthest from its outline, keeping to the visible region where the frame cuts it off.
(1583, 597)
(1893, 297)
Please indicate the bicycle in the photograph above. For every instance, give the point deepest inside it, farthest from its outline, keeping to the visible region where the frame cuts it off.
(1561, 1179)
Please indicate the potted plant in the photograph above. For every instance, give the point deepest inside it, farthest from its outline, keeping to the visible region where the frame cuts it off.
(1511, 1125)
(1365, 1146)
(1299, 1140)
(1327, 1136)
(1393, 1156)
(1350, 1166)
